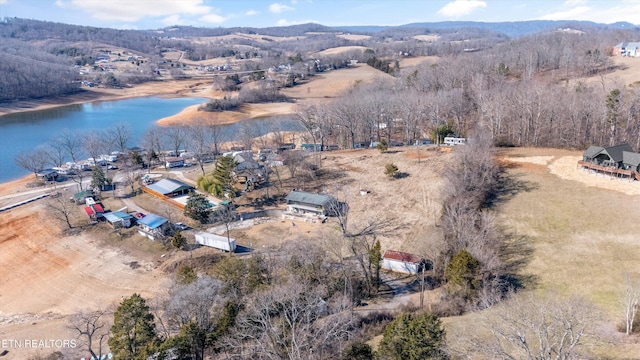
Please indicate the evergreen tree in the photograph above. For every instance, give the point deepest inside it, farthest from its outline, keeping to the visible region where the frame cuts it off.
(464, 270)
(375, 261)
(178, 240)
(198, 207)
(391, 170)
(134, 332)
(413, 337)
(222, 181)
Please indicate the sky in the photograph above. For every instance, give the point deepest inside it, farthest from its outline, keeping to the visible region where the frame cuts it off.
(156, 14)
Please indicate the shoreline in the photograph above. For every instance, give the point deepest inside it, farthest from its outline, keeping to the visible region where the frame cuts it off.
(171, 88)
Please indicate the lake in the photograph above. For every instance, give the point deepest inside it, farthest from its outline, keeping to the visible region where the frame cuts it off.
(25, 131)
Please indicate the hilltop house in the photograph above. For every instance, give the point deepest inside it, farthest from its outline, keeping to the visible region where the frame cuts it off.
(627, 49)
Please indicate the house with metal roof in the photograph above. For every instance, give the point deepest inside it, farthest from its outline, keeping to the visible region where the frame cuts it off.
(119, 219)
(171, 187)
(300, 202)
(153, 226)
(403, 262)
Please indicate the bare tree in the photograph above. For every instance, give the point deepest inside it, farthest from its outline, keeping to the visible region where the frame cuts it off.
(247, 134)
(175, 137)
(61, 209)
(200, 141)
(532, 327)
(72, 145)
(630, 301)
(120, 136)
(292, 321)
(225, 214)
(152, 142)
(33, 161)
(93, 331)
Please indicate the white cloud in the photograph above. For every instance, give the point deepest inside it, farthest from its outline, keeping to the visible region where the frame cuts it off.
(132, 10)
(604, 14)
(574, 2)
(576, 13)
(251, 13)
(278, 8)
(213, 18)
(458, 8)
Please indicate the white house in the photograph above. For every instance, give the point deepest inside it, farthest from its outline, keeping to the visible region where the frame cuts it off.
(402, 262)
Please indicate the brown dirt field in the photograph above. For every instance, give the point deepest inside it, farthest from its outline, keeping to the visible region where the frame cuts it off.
(340, 49)
(333, 83)
(415, 61)
(47, 277)
(629, 74)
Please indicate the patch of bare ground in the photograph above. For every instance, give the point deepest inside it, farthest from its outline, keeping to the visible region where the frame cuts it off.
(340, 50)
(627, 73)
(407, 62)
(47, 277)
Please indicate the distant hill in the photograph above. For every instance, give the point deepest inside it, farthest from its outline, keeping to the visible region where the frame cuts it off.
(511, 29)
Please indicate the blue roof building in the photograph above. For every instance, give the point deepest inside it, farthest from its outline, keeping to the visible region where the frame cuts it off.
(153, 226)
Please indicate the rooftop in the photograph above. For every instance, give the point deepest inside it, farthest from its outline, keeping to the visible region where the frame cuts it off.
(402, 256)
(168, 186)
(308, 198)
(153, 221)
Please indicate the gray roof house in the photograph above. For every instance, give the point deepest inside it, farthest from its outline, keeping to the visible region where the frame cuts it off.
(609, 156)
(171, 187)
(300, 202)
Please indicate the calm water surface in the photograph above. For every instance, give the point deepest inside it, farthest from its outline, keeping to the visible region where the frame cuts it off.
(26, 131)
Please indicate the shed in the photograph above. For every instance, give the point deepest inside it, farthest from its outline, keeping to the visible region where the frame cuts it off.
(80, 198)
(153, 226)
(171, 187)
(402, 262)
(119, 219)
(300, 202)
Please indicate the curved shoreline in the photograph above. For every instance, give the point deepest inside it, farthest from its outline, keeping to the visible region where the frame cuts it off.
(173, 88)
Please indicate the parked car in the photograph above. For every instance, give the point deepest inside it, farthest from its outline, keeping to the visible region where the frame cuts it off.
(181, 226)
(112, 167)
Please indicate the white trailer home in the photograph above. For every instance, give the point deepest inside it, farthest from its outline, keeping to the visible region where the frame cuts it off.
(216, 241)
(453, 141)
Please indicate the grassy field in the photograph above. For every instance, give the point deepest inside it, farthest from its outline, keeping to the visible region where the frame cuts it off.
(583, 239)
